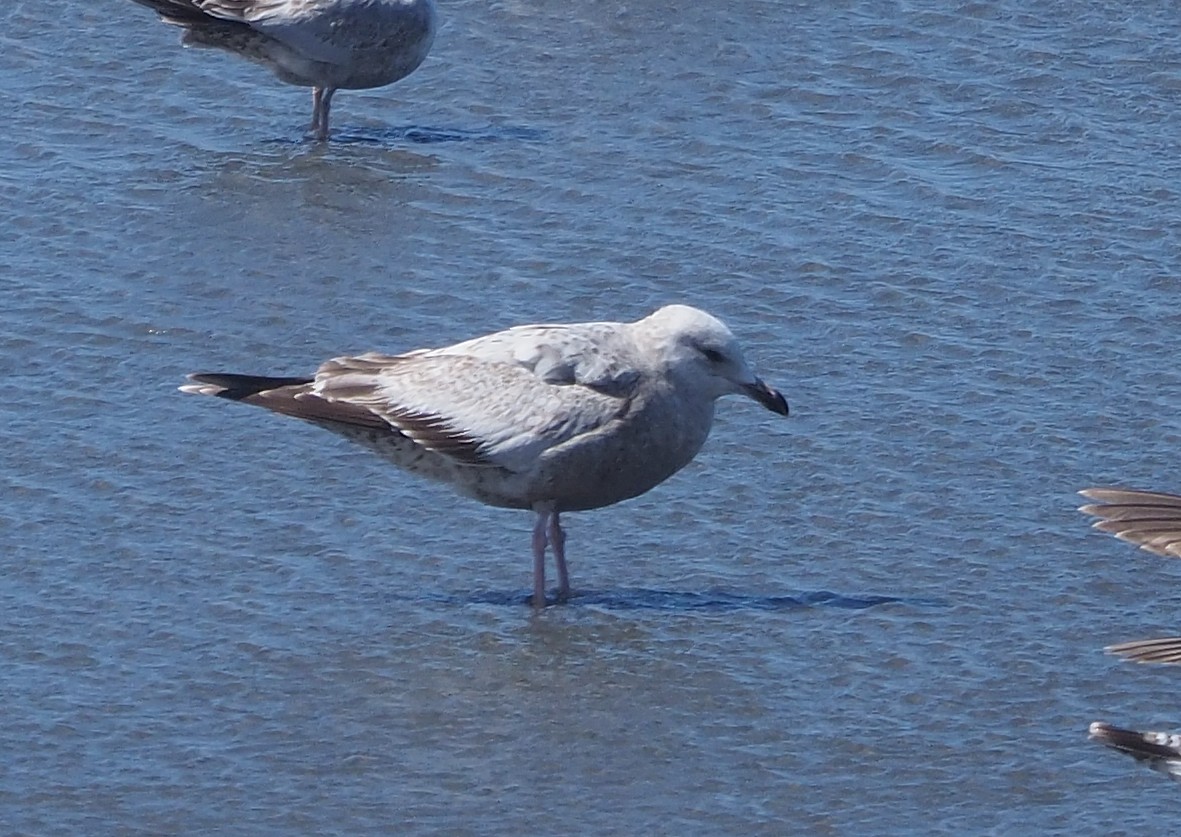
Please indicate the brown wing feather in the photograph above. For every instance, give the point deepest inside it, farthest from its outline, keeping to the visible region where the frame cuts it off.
(434, 433)
(288, 396)
(1161, 650)
(176, 11)
(1149, 519)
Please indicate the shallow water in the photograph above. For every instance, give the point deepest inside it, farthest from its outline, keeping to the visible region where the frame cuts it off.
(950, 235)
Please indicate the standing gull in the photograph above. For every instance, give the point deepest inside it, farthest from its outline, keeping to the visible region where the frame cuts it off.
(552, 418)
(322, 44)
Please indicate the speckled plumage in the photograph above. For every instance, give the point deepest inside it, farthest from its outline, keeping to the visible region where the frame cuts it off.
(551, 418)
(323, 44)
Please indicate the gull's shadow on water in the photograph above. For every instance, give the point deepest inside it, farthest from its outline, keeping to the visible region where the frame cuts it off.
(419, 135)
(676, 601)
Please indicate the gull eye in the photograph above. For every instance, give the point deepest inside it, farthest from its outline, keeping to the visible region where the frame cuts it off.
(713, 356)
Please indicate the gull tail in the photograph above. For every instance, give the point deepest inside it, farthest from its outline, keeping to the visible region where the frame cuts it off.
(209, 29)
(238, 387)
(290, 397)
(177, 11)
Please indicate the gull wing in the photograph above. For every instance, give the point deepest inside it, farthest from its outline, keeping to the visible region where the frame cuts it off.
(1165, 649)
(470, 410)
(595, 355)
(1149, 519)
(299, 24)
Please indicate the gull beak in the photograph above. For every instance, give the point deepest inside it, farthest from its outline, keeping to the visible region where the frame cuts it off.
(772, 399)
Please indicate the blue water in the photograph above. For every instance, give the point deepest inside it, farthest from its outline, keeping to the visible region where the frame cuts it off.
(950, 234)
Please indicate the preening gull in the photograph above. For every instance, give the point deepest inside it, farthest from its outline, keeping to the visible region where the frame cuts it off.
(322, 44)
(1161, 750)
(1152, 521)
(552, 418)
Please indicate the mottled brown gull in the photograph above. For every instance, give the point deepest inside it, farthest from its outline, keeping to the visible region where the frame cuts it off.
(1152, 521)
(552, 418)
(322, 44)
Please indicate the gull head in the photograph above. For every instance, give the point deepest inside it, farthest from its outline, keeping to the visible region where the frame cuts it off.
(700, 350)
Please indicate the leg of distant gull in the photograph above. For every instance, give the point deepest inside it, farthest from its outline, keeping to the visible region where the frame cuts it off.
(321, 104)
(317, 98)
(539, 544)
(557, 539)
(327, 103)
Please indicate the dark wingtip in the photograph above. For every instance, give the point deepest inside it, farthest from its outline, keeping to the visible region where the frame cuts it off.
(236, 387)
(176, 11)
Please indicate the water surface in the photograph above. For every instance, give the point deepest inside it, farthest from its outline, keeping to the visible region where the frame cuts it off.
(948, 233)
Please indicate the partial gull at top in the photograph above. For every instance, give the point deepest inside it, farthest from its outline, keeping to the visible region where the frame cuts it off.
(1152, 521)
(1160, 750)
(1149, 519)
(551, 418)
(322, 44)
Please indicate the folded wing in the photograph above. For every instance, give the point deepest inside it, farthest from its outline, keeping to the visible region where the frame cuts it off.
(473, 411)
(598, 356)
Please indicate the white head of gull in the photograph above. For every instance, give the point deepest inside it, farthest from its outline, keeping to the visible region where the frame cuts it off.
(552, 418)
(322, 44)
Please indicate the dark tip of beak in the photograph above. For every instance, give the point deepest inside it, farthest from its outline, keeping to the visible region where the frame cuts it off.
(772, 399)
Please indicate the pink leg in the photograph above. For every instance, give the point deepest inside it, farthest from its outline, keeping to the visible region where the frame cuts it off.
(321, 104)
(317, 97)
(539, 544)
(557, 539)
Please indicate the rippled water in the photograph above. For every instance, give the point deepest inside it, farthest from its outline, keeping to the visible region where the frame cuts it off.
(948, 233)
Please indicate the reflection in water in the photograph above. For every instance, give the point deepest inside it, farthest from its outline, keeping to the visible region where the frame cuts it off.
(720, 601)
